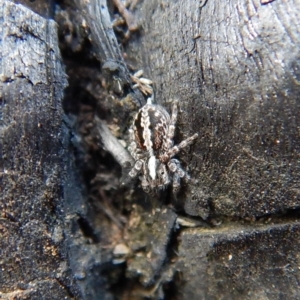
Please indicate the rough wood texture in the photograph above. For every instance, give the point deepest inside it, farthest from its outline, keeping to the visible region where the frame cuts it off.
(235, 68)
(33, 259)
(257, 262)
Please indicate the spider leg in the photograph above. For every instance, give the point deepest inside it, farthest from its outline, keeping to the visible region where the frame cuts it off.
(135, 152)
(146, 185)
(171, 127)
(173, 121)
(133, 146)
(178, 173)
(174, 150)
(176, 183)
(136, 168)
(131, 134)
(132, 149)
(175, 167)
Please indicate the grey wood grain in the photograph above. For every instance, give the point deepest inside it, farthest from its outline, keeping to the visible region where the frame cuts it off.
(32, 241)
(234, 66)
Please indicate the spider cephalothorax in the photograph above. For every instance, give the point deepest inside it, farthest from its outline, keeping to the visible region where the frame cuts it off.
(151, 146)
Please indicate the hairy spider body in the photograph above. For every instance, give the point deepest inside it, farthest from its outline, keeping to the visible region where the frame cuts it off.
(151, 146)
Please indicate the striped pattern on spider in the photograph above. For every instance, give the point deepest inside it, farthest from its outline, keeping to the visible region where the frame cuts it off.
(152, 148)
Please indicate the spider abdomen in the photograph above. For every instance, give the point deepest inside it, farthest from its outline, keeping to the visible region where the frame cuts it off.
(150, 127)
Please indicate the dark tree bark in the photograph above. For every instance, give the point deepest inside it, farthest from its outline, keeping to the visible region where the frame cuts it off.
(234, 66)
(32, 159)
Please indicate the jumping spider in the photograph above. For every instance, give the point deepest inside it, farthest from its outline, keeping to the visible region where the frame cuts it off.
(152, 148)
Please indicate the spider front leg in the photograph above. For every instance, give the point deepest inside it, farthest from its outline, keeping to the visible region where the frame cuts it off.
(178, 173)
(133, 149)
(171, 127)
(175, 167)
(133, 146)
(136, 168)
(174, 150)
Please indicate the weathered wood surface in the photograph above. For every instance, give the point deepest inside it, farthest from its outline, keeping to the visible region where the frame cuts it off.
(33, 252)
(234, 66)
(239, 262)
